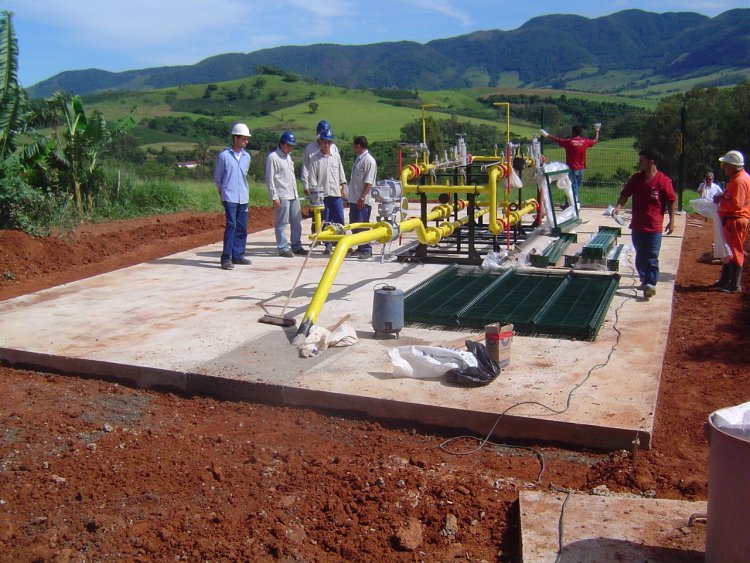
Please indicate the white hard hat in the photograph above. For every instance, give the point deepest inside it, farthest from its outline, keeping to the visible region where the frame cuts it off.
(241, 129)
(734, 158)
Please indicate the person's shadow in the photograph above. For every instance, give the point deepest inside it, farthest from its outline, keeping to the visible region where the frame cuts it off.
(680, 288)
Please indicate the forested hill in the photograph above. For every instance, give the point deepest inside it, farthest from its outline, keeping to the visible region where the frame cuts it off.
(612, 53)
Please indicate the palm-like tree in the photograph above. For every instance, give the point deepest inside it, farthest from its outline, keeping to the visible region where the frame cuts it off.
(12, 96)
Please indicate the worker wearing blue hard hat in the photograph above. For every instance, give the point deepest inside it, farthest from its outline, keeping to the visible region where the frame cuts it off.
(282, 191)
(326, 172)
(310, 149)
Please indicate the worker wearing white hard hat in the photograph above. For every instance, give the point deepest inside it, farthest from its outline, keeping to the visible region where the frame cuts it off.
(230, 177)
(734, 211)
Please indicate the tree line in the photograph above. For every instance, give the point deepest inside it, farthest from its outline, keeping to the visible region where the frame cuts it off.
(57, 160)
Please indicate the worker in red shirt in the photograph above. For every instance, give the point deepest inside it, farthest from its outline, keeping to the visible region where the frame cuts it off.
(734, 212)
(575, 155)
(653, 194)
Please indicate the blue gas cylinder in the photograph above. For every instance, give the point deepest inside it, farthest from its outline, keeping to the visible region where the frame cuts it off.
(387, 310)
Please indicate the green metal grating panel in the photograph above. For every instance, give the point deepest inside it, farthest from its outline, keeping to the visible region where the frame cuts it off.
(572, 305)
(554, 250)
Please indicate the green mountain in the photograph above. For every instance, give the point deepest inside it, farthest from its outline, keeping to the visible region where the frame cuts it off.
(620, 53)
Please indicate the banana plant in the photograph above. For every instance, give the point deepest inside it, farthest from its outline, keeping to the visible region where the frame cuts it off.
(12, 96)
(78, 141)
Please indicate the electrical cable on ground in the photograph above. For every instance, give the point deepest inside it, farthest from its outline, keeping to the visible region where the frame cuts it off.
(561, 522)
(540, 455)
(569, 492)
(486, 440)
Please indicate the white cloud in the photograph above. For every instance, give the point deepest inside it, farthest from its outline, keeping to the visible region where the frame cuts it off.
(323, 8)
(99, 22)
(445, 8)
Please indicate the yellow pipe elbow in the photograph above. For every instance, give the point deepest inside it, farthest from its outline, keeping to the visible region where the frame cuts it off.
(381, 233)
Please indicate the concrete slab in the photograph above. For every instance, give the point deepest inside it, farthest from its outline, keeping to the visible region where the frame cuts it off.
(602, 529)
(181, 322)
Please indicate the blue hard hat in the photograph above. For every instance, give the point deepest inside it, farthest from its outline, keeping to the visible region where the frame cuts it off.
(322, 126)
(288, 138)
(326, 135)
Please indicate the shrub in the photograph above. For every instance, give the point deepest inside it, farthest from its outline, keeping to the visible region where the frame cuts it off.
(29, 209)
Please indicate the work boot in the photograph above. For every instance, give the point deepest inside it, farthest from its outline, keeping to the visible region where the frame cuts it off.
(723, 278)
(733, 279)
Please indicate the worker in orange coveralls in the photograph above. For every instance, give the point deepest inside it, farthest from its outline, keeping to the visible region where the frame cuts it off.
(734, 211)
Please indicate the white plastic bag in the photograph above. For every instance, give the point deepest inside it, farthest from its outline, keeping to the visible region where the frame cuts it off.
(428, 362)
(493, 260)
(321, 338)
(711, 211)
(562, 181)
(345, 335)
(314, 343)
(515, 179)
(734, 420)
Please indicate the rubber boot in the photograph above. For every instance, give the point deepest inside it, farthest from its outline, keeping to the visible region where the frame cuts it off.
(733, 279)
(722, 281)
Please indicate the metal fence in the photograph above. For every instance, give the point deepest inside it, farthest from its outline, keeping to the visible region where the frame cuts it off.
(609, 163)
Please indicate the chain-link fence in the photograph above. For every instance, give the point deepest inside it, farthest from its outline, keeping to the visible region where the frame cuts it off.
(609, 163)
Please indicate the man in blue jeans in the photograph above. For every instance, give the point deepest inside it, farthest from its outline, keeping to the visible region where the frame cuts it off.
(230, 177)
(327, 172)
(282, 191)
(652, 193)
(575, 155)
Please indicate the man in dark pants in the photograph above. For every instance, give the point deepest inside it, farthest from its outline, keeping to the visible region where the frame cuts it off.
(652, 193)
(230, 177)
(364, 173)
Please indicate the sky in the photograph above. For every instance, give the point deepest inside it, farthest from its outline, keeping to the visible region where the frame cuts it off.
(55, 35)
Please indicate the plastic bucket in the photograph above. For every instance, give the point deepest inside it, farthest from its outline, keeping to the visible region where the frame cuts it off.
(728, 522)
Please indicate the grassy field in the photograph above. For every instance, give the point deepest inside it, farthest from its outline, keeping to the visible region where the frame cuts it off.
(361, 112)
(351, 111)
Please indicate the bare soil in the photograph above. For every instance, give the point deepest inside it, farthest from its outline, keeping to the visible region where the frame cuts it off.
(91, 470)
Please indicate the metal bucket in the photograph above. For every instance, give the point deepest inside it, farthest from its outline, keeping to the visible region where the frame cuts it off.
(387, 310)
(728, 522)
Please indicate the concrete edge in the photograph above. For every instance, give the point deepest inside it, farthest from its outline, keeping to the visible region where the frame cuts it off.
(504, 427)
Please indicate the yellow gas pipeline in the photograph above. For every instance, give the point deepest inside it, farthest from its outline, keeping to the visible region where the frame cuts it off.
(497, 172)
(380, 232)
(498, 225)
(384, 232)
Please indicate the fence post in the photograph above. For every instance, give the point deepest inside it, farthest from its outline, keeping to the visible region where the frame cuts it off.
(681, 177)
